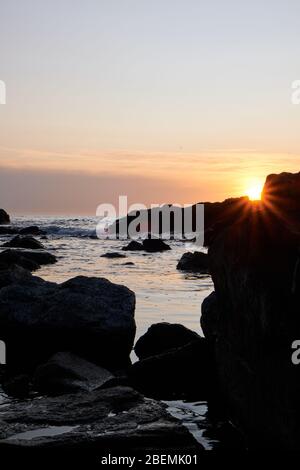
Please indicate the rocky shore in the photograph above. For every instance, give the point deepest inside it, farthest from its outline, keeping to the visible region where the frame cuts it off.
(69, 344)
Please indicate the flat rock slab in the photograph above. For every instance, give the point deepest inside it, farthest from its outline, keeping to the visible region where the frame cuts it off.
(115, 420)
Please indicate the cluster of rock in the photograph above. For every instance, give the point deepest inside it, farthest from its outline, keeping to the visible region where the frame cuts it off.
(23, 249)
(71, 344)
(252, 318)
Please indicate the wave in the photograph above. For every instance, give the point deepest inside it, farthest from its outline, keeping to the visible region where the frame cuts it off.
(76, 232)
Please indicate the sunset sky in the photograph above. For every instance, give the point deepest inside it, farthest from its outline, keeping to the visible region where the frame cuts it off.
(162, 100)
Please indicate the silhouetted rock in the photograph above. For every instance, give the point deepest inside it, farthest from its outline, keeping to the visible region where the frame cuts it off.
(32, 230)
(255, 319)
(24, 242)
(67, 373)
(7, 230)
(153, 245)
(162, 337)
(4, 217)
(172, 375)
(210, 313)
(27, 259)
(116, 420)
(91, 317)
(197, 262)
(133, 246)
(113, 254)
(281, 195)
(217, 216)
(13, 274)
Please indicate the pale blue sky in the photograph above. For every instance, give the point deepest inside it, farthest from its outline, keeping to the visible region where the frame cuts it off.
(118, 87)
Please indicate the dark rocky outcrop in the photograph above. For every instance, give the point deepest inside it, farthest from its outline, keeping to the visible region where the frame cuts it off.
(162, 337)
(27, 259)
(4, 217)
(172, 375)
(32, 230)
(116, 420)
(133, 245)
(196, 262)
(217, 216)
(24, 242)
(8, 230)
(113, 254)
(154, 245)
(253, 317)
(67, 373)
(91, 317)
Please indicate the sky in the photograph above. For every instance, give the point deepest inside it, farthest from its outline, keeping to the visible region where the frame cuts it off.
(163, 100)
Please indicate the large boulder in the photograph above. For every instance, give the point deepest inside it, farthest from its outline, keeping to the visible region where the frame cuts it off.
(27, 259)
(67, 373)
(172, 375)
(116, 421)
(24, 242)
(91, 317)
(253, 317)
(196, 262)
(162, 337)
(4, 217)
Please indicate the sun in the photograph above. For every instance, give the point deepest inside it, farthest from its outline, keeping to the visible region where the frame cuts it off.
(254, 190)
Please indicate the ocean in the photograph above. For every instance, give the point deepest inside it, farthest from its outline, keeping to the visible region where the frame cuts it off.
(162, 292)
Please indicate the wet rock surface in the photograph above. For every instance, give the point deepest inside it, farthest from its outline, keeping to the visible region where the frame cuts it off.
(115, 420)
